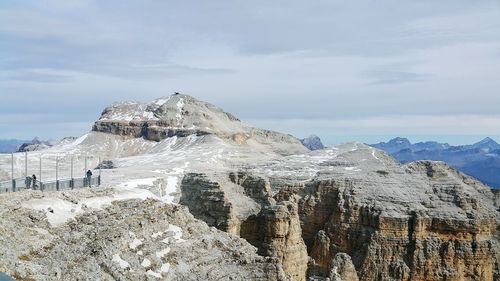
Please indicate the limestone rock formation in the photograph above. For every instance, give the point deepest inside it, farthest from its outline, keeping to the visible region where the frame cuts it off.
(207, 201)
(129, 240)
(273, 228)
(276, 232)
(342, 268)
(416, 244)
(181, 116)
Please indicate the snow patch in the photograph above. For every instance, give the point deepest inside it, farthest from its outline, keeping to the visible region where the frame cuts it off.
(123, 264)
(157, 234)
(160, 102)
(146, 262)
(171, 188)
(176, 234)
(59, 211)
(134, 244)
(165, 267)
(138, 182)
(154, 274)
(180, 105)
(162, 253)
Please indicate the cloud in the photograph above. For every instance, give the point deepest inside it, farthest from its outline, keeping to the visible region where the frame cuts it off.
(394, 77)
(34, 76)
(273, 60)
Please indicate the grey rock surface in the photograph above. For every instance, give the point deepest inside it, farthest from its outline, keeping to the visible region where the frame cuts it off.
(127, 240)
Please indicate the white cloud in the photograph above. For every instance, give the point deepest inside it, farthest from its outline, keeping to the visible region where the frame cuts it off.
(280, 60)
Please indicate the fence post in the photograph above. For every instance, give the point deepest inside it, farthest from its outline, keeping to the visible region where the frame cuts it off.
(99, 178)
(40, 175)
(57, 173)
(26, 168)
(12, 172)
(72, 182)
(85, 183)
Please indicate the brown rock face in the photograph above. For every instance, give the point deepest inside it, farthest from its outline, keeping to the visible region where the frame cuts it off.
(207, 201)
(342, 268)
(257, 188)
(149, 130)
(276, 232)
(393, 247)
(422, 221)
(274, 229)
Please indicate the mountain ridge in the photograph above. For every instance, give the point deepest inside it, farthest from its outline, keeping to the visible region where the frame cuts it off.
(480, 159)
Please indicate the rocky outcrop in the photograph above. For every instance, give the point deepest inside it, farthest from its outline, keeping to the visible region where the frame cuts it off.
(416, 245)
(342, 268)
(349, 233)
(275, 229)
(207, 201)
(257, 188)
(312, 142)
(129, 240)
(496, 193)
(149, 130)
(276, 232)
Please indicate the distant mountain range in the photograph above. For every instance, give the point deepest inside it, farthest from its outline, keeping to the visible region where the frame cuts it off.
(480, 160)
(12, 145)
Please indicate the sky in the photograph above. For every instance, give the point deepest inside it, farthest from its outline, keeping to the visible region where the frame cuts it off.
(343, 70)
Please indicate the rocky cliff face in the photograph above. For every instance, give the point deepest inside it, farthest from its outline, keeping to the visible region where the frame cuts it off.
(276, 232)
(273, 228)
(423, 221)
(383, 246)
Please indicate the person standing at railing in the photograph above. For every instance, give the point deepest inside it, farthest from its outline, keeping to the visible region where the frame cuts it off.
(89, 178)
(28, 182)
(33, 179)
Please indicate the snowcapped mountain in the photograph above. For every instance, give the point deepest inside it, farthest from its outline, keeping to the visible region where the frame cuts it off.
(181, 116)
(480, 160)
(36, 144)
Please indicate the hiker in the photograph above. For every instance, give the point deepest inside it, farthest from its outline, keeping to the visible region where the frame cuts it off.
(89, 178)
(28, 182)
(33, 179)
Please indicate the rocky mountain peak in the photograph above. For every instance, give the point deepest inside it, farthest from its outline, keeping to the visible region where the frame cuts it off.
(400, 141)
(182, 115)
(486, 143)
(177, 114)
(312, 142)
(175, 109)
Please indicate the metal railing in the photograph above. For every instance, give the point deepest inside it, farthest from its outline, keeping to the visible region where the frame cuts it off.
(54, 185)
(48, 169)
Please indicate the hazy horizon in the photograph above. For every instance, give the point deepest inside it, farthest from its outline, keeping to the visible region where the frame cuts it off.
(364, 70)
